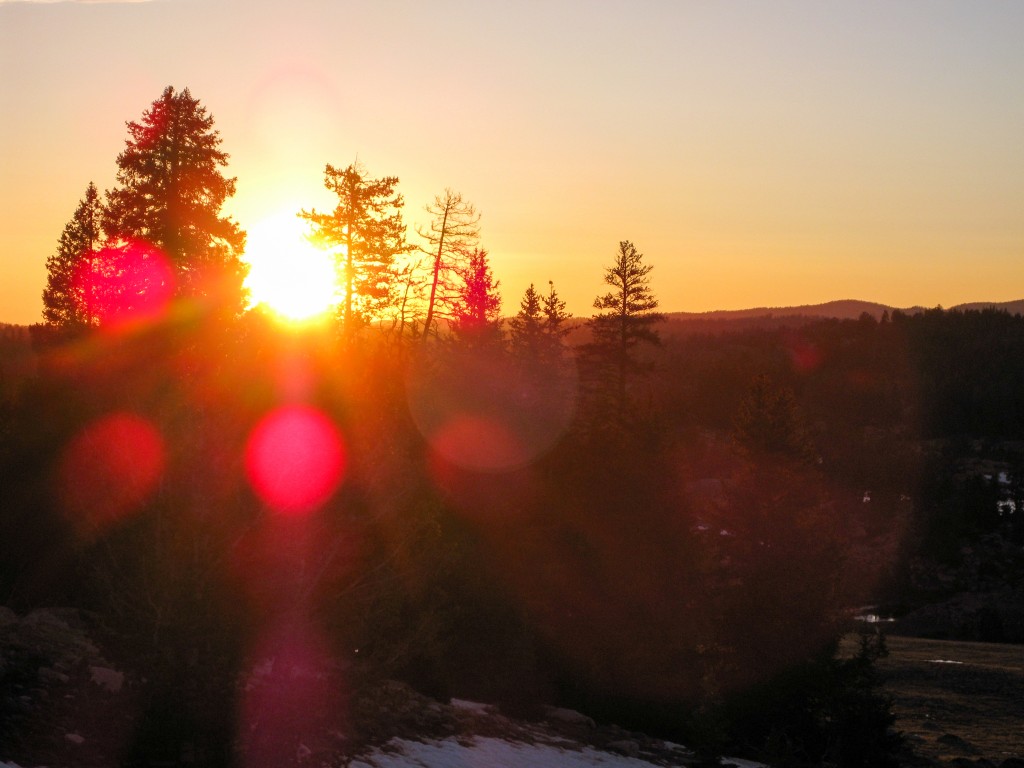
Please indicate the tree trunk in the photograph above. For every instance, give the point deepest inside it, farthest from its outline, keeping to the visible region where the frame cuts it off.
(437, 272)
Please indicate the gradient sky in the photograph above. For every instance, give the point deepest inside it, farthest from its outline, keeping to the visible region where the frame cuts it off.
(758, 154)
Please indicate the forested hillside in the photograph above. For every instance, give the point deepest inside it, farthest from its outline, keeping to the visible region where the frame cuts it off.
(503, 531)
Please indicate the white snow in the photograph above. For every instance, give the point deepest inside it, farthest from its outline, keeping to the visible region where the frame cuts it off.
(496, 753)
(874, 618)
(471, 706)
(493, 753)
(570, 716)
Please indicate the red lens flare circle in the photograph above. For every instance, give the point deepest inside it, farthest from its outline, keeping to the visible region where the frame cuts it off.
(125, 284)
(295, 459)
(109, 469)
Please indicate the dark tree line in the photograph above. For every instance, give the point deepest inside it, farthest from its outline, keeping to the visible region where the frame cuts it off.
(167, 206)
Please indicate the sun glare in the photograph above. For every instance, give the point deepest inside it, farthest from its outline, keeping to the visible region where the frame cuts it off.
(288, 274)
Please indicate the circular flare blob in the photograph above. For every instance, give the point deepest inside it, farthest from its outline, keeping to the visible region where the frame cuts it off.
(295, 459)
(126, 284)
(109, 469)
(485, 413)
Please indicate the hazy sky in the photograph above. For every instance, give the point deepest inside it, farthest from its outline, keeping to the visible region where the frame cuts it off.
(758, 154)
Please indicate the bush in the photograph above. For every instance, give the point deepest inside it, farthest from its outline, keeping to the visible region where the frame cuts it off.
(827, 711)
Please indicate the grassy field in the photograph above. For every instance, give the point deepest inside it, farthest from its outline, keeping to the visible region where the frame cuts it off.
(955, 699)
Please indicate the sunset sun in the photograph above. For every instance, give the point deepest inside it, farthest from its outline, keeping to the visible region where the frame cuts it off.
(288, 274)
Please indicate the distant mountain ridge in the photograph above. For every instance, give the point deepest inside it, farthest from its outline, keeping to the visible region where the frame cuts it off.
(843, 309)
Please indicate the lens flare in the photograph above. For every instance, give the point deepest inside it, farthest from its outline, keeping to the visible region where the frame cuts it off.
(295, 459)
(804, 354)
(126, 284)
(109, 470)
(486, 414)
(477, 443)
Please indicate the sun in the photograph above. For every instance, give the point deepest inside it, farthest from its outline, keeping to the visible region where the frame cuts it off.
(288, 274)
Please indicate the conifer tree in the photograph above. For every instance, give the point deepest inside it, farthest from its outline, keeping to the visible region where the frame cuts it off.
(453, 232)
(477, 321)
(171, 192)
(555, 317)
(626, 320)
(538, 329)
(526, 328)
(67, 298)
(367, 230)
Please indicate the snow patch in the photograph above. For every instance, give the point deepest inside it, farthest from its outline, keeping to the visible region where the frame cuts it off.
(569, 716)
(493, 753)
(471, 706)
(874, 618)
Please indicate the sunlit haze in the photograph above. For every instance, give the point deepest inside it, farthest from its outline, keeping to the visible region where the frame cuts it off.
(757, 155)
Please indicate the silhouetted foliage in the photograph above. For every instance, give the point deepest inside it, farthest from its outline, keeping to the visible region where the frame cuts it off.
(366, 229)
(626, 321)
(538, 330)
(769, 422)
(970, 377)
(477, 308)
(555, 314)
(68, 296)
(526, 334)
(828, 711)
(171, 192)
(451, 236)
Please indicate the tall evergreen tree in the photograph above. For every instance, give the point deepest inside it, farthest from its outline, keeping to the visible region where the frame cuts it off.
(367, 229)
(537, 331)
(477, 321)
(171, 192)
(625, 321)
(454, 230)
(526, 329)
(67, 298)
(555, 317)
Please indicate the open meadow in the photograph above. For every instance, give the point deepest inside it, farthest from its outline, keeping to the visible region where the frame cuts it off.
(957, 699)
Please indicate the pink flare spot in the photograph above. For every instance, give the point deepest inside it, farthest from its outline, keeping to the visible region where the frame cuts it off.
(805, 355)
(295, 459)
(478, 443)
(109, 469)
(126, 284)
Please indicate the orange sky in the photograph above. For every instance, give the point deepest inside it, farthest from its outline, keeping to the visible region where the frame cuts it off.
(757, 154)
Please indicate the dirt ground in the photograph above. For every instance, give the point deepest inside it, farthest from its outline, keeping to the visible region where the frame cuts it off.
(957, 699)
